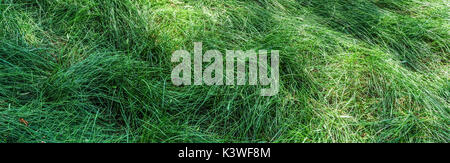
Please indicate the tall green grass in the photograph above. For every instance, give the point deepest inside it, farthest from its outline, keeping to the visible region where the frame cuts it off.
(99, 71)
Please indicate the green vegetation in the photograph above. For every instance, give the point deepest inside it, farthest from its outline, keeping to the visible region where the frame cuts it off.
(99, 71)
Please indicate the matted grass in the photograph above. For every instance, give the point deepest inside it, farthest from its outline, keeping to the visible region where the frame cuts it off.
(99, 71)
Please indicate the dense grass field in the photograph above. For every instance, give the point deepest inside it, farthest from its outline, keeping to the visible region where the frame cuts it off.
(99, 71)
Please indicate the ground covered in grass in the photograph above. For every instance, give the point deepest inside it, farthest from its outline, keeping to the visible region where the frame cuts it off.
(99, 71)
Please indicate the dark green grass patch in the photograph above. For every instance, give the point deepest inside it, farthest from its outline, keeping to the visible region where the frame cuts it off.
(99, 71)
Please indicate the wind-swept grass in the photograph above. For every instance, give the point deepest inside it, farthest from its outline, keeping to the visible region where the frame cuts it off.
(99, 71)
